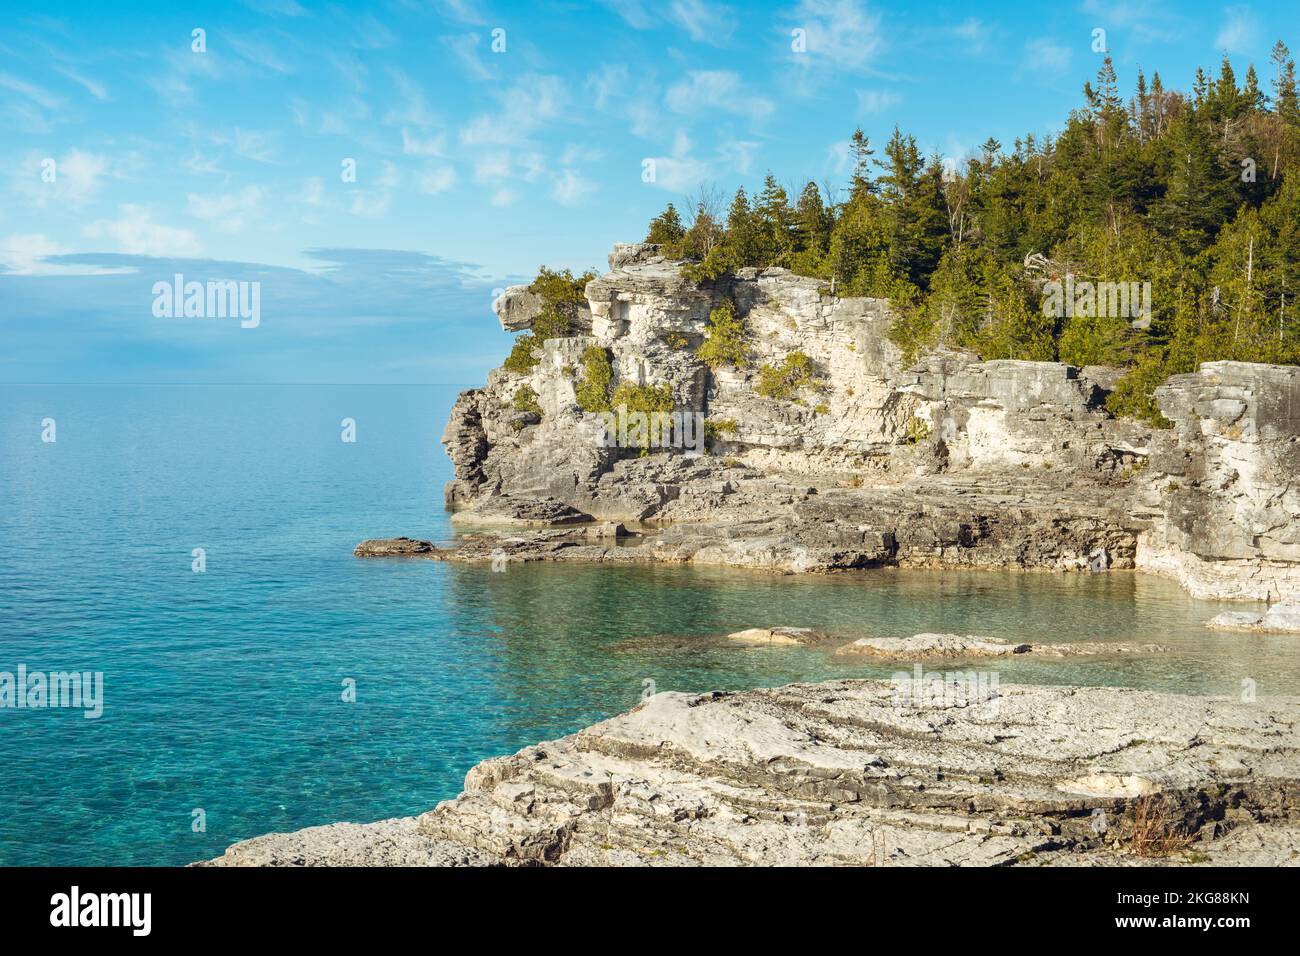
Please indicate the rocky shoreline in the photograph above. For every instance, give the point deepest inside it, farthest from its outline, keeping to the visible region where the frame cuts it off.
(855, 772)
(944, 462)
(866, 461)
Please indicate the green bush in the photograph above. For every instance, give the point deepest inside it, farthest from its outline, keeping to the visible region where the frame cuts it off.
(525, 400)
(521, 360)
(644, 398)
(593, 391)
(786, 380)
(917, 431)
(724, 340)
(563, 296)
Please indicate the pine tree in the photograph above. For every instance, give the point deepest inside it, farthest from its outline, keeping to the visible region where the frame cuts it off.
(1284, 85)
(776, 221)
(860, 184)
(667, 229)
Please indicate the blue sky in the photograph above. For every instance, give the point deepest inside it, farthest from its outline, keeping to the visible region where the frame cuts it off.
(488, 138)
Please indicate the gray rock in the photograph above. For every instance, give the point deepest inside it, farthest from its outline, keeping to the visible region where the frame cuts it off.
(863, 773)
(1280, 618)
(392, 547)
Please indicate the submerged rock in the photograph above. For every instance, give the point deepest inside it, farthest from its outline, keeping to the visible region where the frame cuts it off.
(854, 773)
(777, 635)
(392, 547)
(933, 645)
(923, 646)
(1280, 618)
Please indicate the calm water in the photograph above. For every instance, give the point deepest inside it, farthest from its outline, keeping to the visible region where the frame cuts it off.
(223, 689)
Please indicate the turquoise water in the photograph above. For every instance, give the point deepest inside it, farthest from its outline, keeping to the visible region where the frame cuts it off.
(223, 689)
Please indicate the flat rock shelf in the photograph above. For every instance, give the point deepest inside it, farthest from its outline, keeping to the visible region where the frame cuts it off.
(852, 772)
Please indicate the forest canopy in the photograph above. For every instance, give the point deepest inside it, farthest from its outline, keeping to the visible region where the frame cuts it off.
(1192, 198)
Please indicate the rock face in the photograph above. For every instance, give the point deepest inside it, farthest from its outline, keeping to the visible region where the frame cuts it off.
(1230, 521)
(951, 462)
(865, 773)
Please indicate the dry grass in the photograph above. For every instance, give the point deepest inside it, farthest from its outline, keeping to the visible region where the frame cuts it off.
(1150, 830)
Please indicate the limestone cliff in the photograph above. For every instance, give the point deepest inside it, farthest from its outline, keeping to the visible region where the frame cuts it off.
(864, 460)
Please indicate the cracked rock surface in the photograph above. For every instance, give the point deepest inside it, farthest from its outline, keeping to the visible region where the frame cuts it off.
(839, 773)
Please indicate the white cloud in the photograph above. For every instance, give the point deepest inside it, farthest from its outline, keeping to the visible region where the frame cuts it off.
(705, 22)
(228, 212)
(258, 53)
(616, 93)
(974, 33)
(93, 87)
(713, 91)
(254, 145)
(411, 108)
(1149, 20)
(435, 180)
(682, 171)
(1046, 56)
(525, 107)
(77, 178)
(1239, 31)
(25, 255)
(876, 101)
(436, 146)
(492, 166)
(464, 47)
(38, 95)
(467, 11)
(136, 233)
(371, 203)
(503, 197)
(840, 34)
(570, 187)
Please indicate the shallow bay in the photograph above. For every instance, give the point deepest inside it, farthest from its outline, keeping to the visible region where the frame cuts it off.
(223, 689)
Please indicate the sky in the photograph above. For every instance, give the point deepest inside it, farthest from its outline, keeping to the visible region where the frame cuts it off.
(383, 169)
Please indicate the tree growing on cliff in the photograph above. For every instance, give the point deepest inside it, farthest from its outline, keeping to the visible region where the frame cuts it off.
(724, 342)
(1193, 194)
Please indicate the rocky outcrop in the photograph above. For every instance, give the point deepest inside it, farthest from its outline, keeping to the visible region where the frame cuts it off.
(1229, 522)
(949, 462)
(866, 773)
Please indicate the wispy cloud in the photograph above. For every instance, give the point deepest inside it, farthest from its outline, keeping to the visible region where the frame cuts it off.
(525, 107)
(135, 232)
(714, 91)
(1239, 32)
(840, 35)
(1046, 57)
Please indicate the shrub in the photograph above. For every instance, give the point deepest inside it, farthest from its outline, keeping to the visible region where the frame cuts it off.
(563, 295)
(593, 391)
(917, 431)
(718, 428)
(724, 340)
(525, 400)
(521, 360)
(644, 398)
(784, 381)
